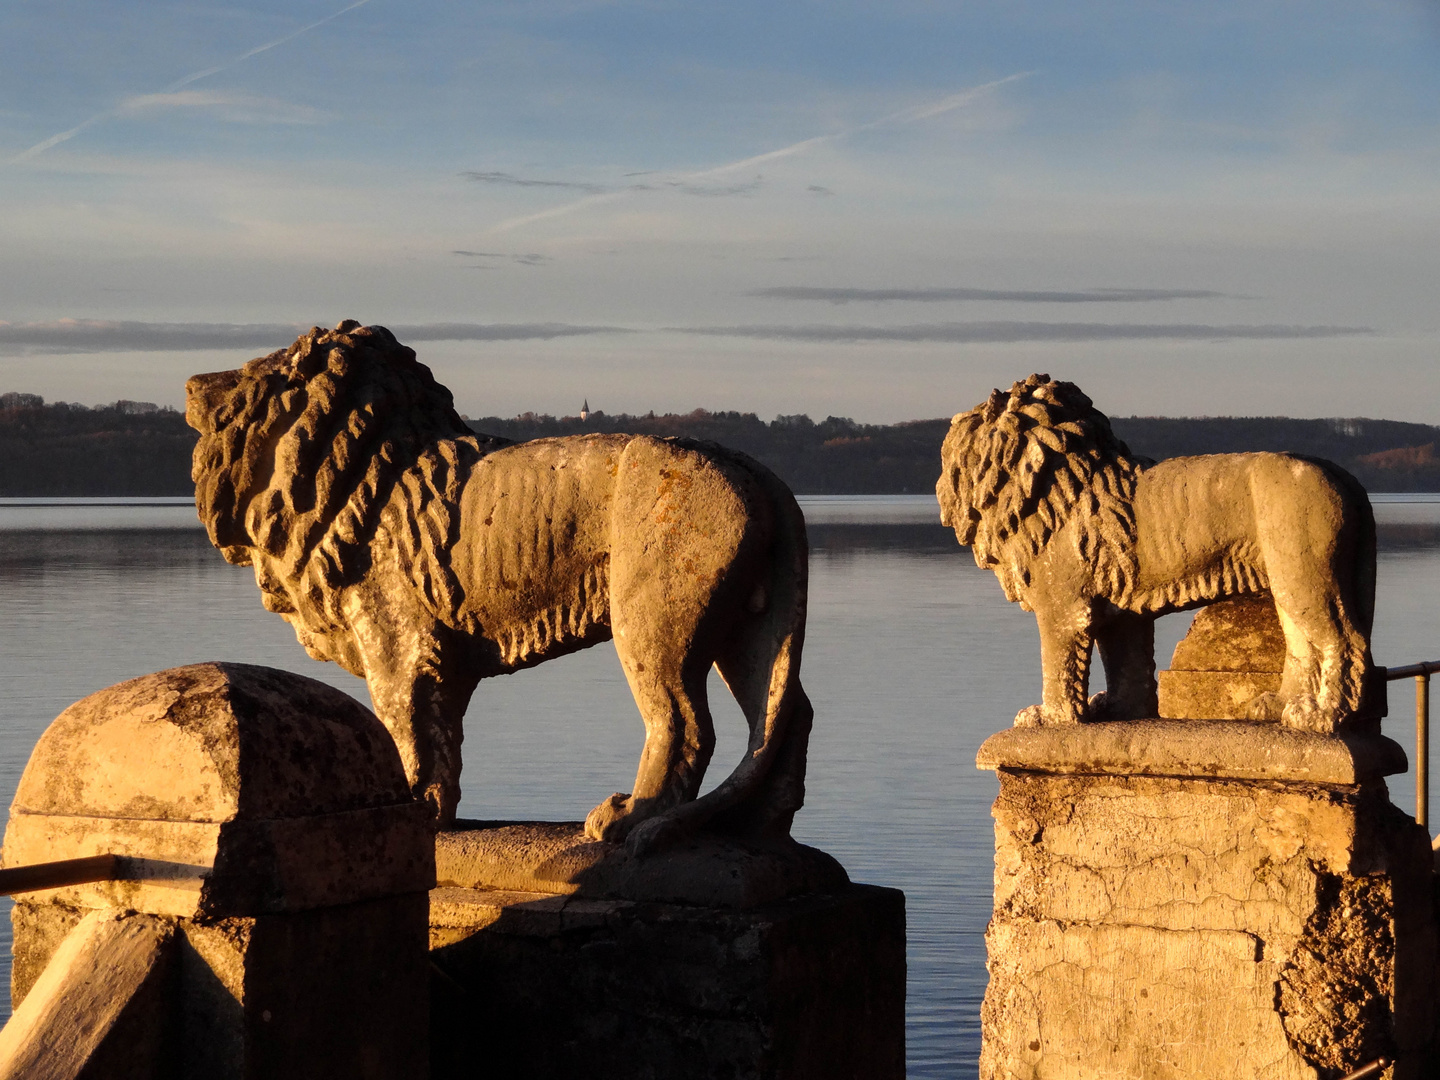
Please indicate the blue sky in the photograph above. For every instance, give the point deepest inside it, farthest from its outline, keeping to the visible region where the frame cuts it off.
(872, 210)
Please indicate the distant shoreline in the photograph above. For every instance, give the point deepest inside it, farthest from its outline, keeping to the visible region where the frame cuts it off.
(135, 450)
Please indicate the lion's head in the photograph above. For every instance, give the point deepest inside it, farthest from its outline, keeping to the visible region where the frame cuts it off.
(1018, 468)
(301, 451)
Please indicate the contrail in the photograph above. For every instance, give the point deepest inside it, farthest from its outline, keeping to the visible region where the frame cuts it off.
(55, 140)
(904, 116)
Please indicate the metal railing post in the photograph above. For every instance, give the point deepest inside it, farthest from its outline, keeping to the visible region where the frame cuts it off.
(1422, 748)
(1421, 674)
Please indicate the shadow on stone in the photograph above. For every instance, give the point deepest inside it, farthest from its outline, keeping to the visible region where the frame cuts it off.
(557, 956)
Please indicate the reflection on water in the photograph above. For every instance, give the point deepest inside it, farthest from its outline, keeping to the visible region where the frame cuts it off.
(912, 657)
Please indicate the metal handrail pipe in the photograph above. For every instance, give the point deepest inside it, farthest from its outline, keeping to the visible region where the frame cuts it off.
(1421, 673)
(52, 875)
(1366, 1071)
(1412, 671)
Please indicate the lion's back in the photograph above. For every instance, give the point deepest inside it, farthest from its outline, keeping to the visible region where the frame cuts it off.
(1208, 526)
(532, 553)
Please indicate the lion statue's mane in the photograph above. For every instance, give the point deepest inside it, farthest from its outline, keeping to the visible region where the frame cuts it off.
(1018, 468)
(304, 463)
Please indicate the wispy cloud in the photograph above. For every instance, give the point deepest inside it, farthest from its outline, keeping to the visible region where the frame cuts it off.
(180, 84)
(817, 189)
(95, 335)
(511, 180)
(1029, 296)
(712, 191)
(530, 258)
(1000, 332)
(708, 176)
(241, 108)
(99, 336)
(685, 185)
(499, 331)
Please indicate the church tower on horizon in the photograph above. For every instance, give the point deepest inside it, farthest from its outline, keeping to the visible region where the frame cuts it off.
(585, 411)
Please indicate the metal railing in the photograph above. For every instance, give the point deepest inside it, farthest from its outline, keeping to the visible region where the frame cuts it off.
(1374, 1068)
(52, 875)
(1421, 674)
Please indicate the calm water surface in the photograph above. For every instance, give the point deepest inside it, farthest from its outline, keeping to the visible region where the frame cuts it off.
(912, 658)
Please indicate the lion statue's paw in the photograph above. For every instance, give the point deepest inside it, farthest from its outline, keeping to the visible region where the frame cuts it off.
(650, 835)
(1102, 706)
(611, 819)
(442, 809)
(1267, 706)
(1304, 713)
(1036, 716)
(1039, 716)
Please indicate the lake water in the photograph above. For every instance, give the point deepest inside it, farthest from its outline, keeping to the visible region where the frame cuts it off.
(912, 658)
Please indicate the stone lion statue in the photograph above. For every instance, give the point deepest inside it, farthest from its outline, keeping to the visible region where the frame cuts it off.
(424, 558)
(1098, 543)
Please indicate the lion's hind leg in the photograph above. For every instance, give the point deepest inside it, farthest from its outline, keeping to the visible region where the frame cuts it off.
(749, 674)
(1316, 538)
(1327, 659)
(1325, 667)
(670, 692)
(680, 539)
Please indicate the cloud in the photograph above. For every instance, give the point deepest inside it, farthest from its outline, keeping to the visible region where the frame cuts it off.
(816, 189)
(685, 184)
(102, 336)
(531, 258)
(525, 181)
(195, 76)
(240, 108)
(1030, 296)
(499, 331)
(999, 332)
(698, 179)
(715, 190)
(95, 336)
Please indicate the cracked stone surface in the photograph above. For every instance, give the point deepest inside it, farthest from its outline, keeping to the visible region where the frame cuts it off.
(1173, 927)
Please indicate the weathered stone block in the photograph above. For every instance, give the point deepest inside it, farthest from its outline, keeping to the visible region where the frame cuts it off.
(330, 992)
(543, 985)
(1231, 663)
(1115, 1000)
(1150, 923)
(267, 833)
(705, 869)
(101, 1010)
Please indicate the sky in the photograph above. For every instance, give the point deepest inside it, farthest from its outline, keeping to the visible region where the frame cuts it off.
(873, 210)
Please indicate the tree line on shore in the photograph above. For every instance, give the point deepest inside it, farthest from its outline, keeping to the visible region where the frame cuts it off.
(136, 448)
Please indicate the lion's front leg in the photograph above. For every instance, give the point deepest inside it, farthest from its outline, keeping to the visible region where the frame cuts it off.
(1065, 643)
(1126, 643)
(420, 685)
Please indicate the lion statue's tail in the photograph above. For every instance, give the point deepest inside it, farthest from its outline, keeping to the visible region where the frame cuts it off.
(761, 667)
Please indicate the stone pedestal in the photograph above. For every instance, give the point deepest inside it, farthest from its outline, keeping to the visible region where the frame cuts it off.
(1232, 656)
(1231, 666)
(556, 956)
(1202, 899)
(269, 917)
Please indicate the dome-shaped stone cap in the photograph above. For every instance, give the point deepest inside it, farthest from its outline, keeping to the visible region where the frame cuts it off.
(213, 742)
